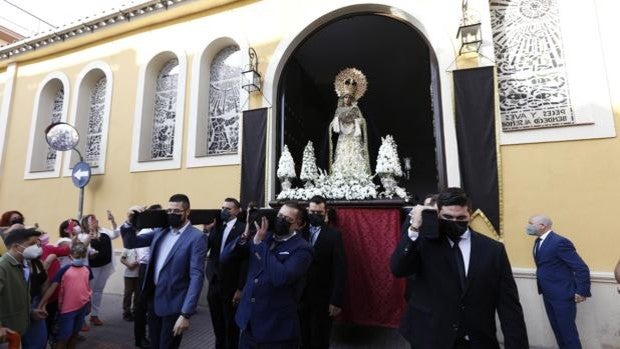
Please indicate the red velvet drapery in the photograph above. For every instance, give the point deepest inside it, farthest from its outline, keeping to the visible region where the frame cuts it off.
(372, 296)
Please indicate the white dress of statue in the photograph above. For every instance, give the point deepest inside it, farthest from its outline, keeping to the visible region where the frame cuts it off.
(351, 155)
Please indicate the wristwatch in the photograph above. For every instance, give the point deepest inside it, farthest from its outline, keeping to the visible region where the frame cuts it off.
(186, 315)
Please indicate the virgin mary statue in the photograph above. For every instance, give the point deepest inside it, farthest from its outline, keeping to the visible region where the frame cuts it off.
(351, 155)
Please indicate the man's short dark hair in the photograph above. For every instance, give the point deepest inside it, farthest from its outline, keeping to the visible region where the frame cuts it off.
(182, 198)
(154, 207)
(234, 202)
(297, 206)
(19, 236)
(453, 197)
(318, 199)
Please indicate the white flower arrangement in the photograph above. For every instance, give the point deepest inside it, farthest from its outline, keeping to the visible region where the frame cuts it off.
(335, 187)
(286, 165)
(387, 160)
(309, 170)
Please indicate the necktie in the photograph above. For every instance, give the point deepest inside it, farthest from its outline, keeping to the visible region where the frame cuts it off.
(458, 257)
(536, 246)
(314, 233)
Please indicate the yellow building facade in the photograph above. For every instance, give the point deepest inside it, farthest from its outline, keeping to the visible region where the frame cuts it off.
(569, 173)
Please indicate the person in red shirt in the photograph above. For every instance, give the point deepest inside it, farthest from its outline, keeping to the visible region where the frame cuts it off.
(50, 261)
(74, 297)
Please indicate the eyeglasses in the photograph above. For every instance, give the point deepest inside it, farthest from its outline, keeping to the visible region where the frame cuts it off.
(175, 211)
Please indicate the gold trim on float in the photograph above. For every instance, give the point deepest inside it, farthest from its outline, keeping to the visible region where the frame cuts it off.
(480, 223)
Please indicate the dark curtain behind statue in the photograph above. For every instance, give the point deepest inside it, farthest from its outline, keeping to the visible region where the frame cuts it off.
(475, 129)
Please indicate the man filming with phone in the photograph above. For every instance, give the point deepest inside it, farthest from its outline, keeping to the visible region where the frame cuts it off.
(462, 279)
(175, 271)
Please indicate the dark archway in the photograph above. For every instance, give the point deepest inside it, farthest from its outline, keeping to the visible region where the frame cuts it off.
(402, 97)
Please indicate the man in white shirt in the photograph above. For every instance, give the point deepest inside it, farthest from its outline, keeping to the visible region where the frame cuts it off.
(226, 280)
(175, 273)
(462, 280)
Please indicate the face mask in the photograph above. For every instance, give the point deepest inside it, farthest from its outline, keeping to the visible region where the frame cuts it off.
(531, 230)
(225, 215)
(175, 220)
(316, 219)
(18, 220)
(77, 262)
(282, 226)
(32, 252)
(452, 229)
(77, 229)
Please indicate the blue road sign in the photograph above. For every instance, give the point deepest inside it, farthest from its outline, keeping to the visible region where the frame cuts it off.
(81, 174)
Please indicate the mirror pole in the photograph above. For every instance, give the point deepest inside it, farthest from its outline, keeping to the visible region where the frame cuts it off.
(81, 198)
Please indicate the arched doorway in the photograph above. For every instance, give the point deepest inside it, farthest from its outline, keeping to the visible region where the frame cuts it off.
(402, 98)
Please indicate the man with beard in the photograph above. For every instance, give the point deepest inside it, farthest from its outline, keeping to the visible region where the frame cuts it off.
(175, 273)
(278, 262)
(225, 279)
(462, 279)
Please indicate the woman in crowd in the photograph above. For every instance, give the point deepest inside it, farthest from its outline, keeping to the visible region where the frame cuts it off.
(102, 263)
(8, 219)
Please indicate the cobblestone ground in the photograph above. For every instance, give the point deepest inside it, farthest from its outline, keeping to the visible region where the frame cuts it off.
(118, 334)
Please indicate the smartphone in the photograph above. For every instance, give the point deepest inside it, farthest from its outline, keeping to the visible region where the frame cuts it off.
(430, 224)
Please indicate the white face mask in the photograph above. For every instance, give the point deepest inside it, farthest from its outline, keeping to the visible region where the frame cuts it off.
(32, 252)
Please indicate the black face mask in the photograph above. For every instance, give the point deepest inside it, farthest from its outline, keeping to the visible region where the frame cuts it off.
(282, 227)
(225, 215)
(18, 220)
(175, 220)
(452, 229)
(316, 219)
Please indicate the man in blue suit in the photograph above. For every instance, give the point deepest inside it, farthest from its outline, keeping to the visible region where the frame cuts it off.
(278, 261)
(563, 279)
(175, 273)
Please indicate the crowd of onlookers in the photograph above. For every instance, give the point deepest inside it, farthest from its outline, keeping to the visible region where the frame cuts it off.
(276, 281)
(47, 289)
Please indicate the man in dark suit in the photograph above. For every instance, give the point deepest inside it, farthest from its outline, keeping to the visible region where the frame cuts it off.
(225, 279)
(278, 262)
(324, 293)
(175, 272)
(563, 279)
(462, 279)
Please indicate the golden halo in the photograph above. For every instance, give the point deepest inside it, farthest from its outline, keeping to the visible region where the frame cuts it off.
(351, 81)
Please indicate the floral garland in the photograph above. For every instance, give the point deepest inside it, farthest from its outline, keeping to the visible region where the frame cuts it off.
(387, 160)
(286, 165)
(309, 170)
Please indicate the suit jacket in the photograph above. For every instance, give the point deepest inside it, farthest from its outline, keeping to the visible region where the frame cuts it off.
(440, 312)
(273, 287)
(182, 276)
(328, 272)
(560, 271)
(225, 277)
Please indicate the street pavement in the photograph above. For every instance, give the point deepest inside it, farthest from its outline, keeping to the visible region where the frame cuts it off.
(117, 333)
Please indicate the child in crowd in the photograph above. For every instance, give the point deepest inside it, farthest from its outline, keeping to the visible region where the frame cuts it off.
(74, 297)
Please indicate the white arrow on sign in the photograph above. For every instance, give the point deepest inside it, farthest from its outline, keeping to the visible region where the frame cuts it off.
(80, 174)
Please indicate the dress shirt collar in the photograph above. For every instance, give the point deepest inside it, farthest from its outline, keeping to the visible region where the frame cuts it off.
(544, 236)
(231, 222)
